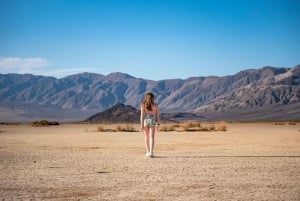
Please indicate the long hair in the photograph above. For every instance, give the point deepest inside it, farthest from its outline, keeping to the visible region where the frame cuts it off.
(148, 102)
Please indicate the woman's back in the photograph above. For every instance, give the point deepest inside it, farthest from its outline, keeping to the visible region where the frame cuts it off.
(152, 112)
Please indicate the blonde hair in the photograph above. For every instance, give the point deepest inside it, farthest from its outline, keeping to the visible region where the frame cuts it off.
(148, 102)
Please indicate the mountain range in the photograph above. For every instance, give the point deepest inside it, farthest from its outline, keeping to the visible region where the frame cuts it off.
(268, 93)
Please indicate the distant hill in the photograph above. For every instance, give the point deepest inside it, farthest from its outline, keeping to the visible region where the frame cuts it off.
(121, 113)
(267, 93)
(116, 114)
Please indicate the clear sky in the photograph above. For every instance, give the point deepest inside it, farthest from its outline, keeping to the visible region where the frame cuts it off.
(151, 39)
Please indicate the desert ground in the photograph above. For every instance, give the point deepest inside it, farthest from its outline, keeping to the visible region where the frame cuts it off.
(249, 161)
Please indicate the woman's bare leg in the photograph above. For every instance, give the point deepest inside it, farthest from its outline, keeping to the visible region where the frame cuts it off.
(147, 140)
(152, 135)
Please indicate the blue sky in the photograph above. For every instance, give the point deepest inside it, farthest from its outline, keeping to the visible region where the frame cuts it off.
(152, 39)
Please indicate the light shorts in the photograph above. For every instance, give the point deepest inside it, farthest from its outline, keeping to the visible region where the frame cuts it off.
(149, 121)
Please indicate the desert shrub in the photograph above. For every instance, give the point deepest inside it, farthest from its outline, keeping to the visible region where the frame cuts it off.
(292, 123)
(280, 123)
(221, 126)
(175, 126)
(204, 129)
(168, 128)
(42, 123)
(185, 126)
(100, 129)
(197, 124)
(10, 123)
(126, 128)
(190, 126)
(164, 128)
(194, 126)
(118, 128)
(212, 127)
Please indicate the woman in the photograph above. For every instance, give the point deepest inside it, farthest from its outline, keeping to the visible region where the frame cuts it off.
(149, 122)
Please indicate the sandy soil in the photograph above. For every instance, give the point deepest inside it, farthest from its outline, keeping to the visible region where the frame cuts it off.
(73, 162)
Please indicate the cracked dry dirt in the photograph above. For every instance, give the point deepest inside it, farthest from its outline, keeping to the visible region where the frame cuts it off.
(72, 162)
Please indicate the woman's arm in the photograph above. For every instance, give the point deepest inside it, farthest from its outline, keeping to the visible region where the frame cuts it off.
(157, 115)
(142, 118)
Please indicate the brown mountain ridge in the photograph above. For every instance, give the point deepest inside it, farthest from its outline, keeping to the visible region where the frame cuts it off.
(268, 93)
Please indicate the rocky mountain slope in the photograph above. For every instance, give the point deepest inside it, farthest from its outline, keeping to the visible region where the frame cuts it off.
(116, 114)
(267, 93)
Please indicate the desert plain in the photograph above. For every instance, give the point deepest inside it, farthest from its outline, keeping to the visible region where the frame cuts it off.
(248, 161)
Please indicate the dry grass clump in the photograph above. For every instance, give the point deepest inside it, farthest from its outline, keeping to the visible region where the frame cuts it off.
(279, 123)
(172, 127)
(293, 123)
(167, 128)
(10, 123)
(118, 128)
(102, 129)
(190, 126)
(42, 123)
(221, 126)
(126, 128)
(285, 122)
(194, 126)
